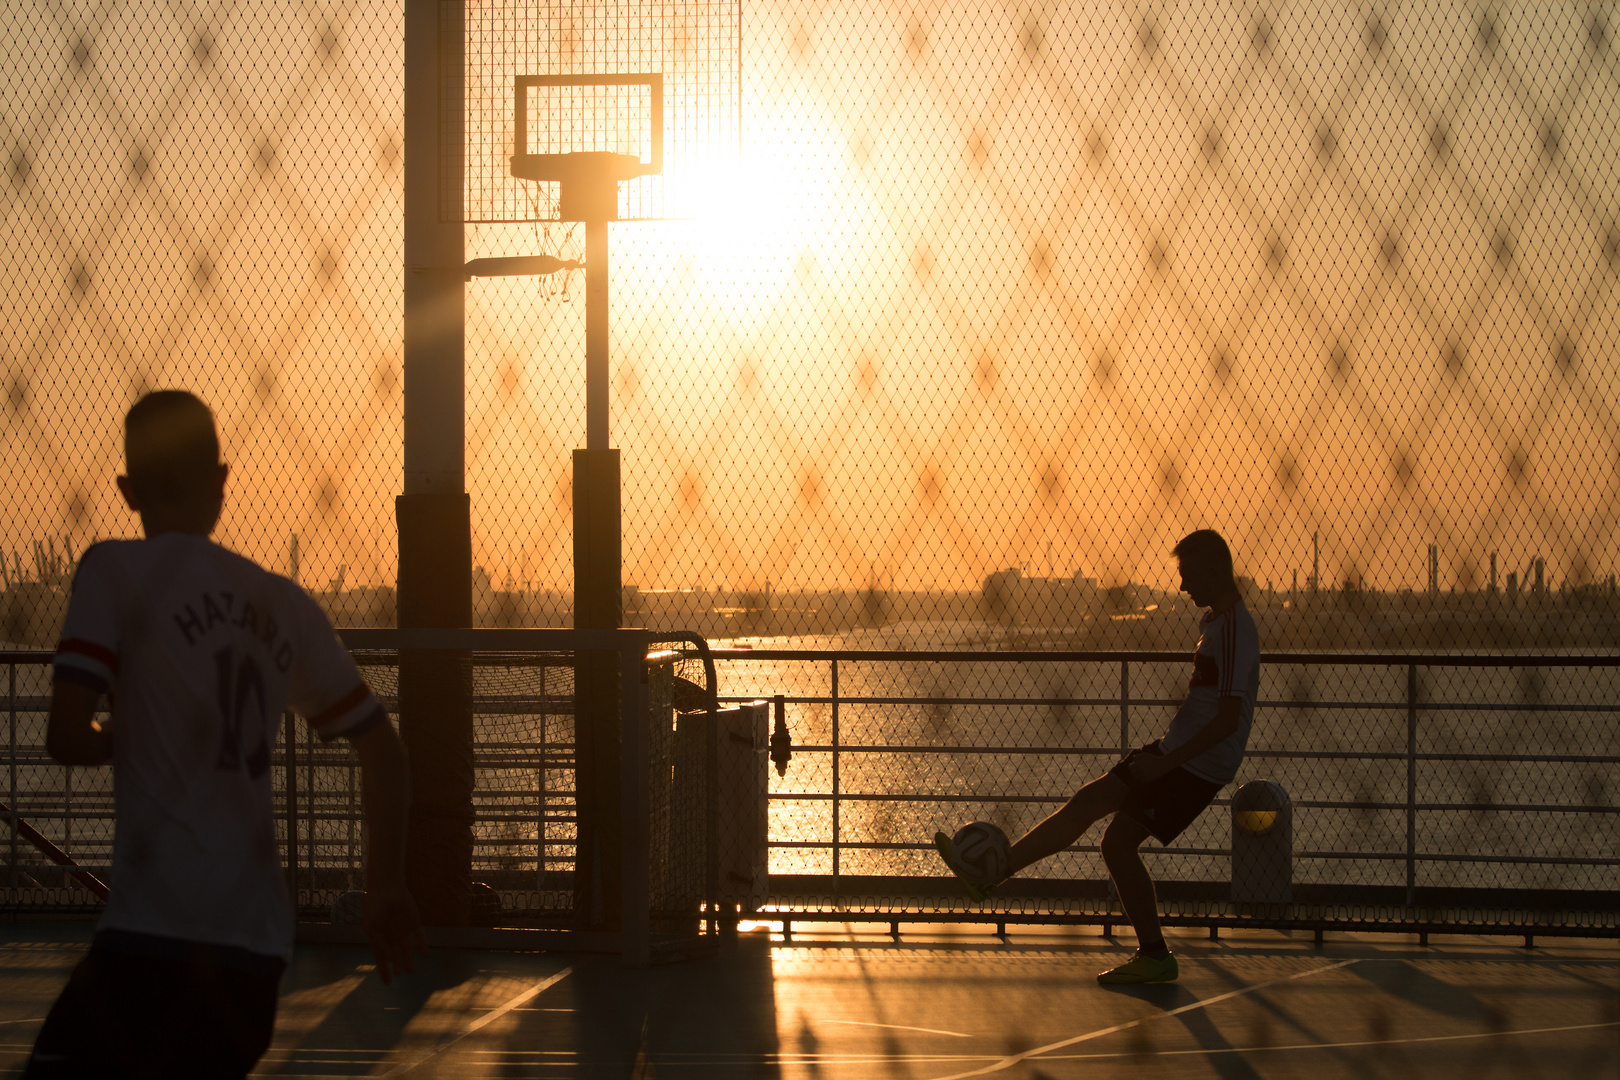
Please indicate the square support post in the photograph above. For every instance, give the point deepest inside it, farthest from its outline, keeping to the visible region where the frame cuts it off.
(435, 546)
(597, 606)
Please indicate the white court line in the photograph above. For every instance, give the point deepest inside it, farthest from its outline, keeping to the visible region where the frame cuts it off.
(1358, 1044)
(494, 1014)
(900, 1027)
(570, 1057)
(1009, 1062)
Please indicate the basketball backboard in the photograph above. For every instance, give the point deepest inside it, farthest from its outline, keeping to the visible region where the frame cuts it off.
(655, 82)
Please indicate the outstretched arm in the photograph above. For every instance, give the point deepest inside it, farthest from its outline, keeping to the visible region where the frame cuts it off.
(390, 917)
(72, 736)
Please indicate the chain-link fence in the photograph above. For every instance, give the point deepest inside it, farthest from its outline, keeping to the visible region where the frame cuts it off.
(206, 198)
(997, 303)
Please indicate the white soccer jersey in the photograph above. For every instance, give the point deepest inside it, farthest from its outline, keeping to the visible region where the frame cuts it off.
(202, 651)
(1226, 664)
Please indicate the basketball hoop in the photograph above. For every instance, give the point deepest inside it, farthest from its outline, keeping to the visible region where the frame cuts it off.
(589, 179)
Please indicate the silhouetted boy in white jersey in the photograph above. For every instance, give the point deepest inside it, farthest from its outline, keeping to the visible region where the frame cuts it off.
(200, 651)
(1161, 788)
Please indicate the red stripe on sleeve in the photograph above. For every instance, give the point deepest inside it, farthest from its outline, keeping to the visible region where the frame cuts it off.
(99, 653)
(344, 704)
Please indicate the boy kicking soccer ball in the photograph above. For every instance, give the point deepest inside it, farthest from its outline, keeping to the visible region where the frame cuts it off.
(1161, 788)
(200, 650)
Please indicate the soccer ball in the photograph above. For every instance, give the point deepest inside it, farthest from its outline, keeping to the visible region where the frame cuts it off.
(981, 852)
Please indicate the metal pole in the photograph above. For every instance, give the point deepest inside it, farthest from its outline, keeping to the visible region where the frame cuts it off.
(351, 818)
(711, 811)
(312, 849)
(290, 767)
(836, 868)
(435, 545)
(540, 850)
(597, 600)
(596, 335)
(1124, 707)
(11, 878)
(1411, 783)
(635, 770)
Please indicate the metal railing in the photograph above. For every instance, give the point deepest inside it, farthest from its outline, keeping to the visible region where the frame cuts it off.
(52, 813)
(314, 792)
(1481, 780)
(1431, 792)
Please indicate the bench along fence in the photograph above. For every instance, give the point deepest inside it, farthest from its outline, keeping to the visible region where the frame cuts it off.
(1428, 793)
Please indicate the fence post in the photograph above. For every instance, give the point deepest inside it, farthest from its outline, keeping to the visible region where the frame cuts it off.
(11, 701)
(355, 879)
(540, 848)
(1411, 784)
(634, 768)
(290, 768)
(836, 851)
(711, 819)
(1124, 707)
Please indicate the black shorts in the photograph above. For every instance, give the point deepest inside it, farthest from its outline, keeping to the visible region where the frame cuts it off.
(1166, 806)
(144, 1006)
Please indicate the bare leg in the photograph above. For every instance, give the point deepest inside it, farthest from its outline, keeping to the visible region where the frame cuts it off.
(1090, 805)
(1120, 849)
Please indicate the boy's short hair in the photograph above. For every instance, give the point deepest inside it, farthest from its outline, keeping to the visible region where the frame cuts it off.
(1207, 548)
(171, 449)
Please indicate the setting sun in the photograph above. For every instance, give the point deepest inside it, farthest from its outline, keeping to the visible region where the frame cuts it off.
(752, 218)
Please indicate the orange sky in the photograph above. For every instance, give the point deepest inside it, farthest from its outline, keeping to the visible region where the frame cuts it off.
(984, 290)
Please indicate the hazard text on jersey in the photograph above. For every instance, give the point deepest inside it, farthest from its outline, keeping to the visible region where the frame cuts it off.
(216, 608)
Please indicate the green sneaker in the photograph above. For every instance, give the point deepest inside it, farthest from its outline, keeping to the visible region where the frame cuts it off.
(1141, 968)
(977, 890)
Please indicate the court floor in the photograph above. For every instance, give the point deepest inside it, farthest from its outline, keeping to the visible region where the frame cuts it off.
(843, 1003)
